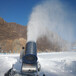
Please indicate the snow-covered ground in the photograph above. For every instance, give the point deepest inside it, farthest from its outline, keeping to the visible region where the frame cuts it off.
(52, 64)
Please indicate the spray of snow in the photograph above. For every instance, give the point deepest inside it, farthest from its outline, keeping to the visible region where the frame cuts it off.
(49, 18)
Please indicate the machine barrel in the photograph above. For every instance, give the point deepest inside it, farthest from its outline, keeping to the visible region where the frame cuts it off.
(30, 56)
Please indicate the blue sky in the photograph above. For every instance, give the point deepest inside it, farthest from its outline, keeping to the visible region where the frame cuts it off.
(19, 10)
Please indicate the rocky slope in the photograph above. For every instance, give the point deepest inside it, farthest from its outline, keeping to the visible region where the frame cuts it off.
(13, 37)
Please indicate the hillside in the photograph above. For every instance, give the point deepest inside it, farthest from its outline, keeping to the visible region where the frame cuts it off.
(13, 37)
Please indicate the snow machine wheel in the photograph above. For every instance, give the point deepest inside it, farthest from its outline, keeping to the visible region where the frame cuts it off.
(8, 72)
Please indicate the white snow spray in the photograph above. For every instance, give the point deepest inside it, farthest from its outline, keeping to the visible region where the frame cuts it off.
(49, 19)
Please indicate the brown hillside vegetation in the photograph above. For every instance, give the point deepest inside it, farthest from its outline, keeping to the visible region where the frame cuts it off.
(13, 38)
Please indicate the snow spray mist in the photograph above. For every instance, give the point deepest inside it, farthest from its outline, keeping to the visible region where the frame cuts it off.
(49, 18)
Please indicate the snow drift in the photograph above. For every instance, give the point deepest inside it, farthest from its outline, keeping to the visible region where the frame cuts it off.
(52, 64)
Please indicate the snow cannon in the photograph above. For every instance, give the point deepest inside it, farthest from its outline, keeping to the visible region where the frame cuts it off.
(28, 64)
(30, 56)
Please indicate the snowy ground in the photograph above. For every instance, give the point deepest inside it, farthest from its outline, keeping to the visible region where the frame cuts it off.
(52, 64)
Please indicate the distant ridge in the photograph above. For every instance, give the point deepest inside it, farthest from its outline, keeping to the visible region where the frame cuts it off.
(13, 37)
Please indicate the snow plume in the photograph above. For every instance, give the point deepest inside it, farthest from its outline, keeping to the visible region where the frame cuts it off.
(49, 18)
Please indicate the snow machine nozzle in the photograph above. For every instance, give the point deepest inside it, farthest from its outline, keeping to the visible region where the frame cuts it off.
(30, 56)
